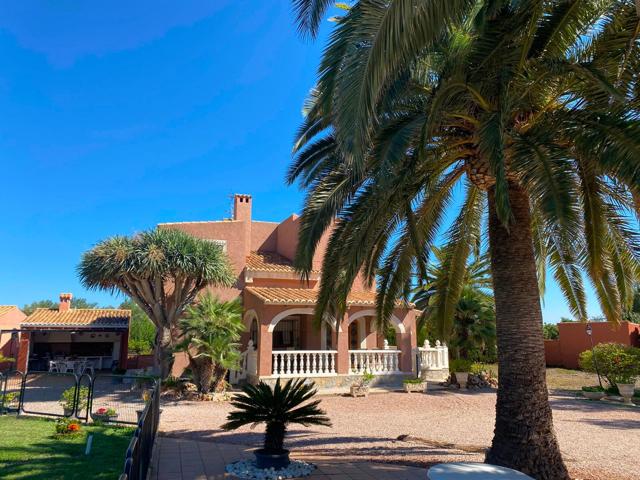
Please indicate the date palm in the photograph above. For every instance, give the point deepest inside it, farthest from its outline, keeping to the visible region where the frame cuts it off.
(527, 107)
(162, 271)
(210, 334)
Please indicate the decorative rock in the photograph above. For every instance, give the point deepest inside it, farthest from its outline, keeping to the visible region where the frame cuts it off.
(248, 469)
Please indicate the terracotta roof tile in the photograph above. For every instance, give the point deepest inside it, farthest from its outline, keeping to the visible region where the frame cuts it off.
(6, 309)
(79, 317)
(269, 262)
(307, 296)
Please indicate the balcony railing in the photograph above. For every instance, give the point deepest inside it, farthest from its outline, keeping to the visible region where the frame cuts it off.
(378, 362)
(304, 363)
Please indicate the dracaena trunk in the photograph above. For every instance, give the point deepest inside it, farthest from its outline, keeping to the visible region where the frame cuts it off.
(163, 352)
(524, 438)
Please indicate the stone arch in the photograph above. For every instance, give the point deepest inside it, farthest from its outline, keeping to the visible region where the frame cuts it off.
(249, 316)
(400, 328)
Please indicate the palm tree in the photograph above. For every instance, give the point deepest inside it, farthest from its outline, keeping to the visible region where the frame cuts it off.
(277, 407)
(529, 107)
(210, 333)
(162, 271)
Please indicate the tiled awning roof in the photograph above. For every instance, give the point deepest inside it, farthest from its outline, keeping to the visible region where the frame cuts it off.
(307, 296)
(85, 318)
(6, 309)
(270, 262)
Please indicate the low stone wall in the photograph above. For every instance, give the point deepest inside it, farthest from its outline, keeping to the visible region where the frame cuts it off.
(345, 381)
(434, 375)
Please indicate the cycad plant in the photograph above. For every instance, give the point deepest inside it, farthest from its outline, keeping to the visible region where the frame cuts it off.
(276, 407)
(528, 109)
(210, 334)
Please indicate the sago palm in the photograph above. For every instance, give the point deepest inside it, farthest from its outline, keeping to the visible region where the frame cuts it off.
(210, 334)
(527, 107)
(276, 407)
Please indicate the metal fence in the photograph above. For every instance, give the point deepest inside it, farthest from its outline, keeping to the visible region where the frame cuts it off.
(139, 453)
(107, 398)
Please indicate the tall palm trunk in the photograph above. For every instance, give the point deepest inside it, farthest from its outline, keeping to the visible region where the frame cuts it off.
(524, 438)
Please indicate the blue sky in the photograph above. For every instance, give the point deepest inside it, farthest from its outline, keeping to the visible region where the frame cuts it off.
(119, 115)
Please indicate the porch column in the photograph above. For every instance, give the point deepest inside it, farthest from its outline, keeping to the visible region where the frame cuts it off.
(22, 361)
(264, 350)
(342, 362)
(124, 350)
(407, 342)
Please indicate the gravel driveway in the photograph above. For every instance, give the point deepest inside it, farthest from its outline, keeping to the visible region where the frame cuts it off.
(597, 439)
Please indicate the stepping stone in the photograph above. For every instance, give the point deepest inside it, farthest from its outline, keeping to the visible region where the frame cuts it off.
(473, 471)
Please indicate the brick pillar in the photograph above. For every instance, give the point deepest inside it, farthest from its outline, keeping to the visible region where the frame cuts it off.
(264, 350)
(23, 352)
(124, 350)
(342, 362)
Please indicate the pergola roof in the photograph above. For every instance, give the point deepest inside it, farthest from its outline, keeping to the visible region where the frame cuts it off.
(84, 318)
(307, 296)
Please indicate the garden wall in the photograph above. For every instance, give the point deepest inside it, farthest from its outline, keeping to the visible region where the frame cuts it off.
(574, 340)
(139, 361)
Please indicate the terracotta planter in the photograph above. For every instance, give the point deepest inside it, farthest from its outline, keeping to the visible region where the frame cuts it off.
(359, 391)
(626, 391)
(415, 387)
(461, 378)
(276, 461)
(593, 395)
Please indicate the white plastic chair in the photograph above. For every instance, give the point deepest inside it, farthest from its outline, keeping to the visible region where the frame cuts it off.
(53, 366)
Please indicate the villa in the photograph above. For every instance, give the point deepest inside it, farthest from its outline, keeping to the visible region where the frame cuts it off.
(281, 339)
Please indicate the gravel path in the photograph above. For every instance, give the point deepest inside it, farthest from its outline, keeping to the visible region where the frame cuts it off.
(596, 438)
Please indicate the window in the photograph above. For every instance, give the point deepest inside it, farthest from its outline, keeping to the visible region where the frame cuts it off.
(253, 332)
(222, 243)
(286, 334)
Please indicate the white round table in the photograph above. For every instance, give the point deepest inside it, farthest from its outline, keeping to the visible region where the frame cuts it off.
(473, 471)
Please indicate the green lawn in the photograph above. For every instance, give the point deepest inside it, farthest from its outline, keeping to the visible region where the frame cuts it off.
(29, 450)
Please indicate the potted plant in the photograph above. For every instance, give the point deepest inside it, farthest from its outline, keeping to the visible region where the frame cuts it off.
(620, 365)
(460, 367)
(104, 415)
(595, 392)
(277, 407)
(68, 399)
(415, 385)
(360, 388)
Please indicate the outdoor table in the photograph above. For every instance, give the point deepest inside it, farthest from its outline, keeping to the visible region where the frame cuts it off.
(473, 471)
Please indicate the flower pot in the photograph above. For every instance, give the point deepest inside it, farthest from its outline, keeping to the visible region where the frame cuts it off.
(359, 391)
(415, 387)
(461, 378)
(593, 395)
(626, 390)
(99, 417)
(264, 459)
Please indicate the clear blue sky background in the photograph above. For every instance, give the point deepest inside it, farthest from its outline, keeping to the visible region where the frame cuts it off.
(119, 115)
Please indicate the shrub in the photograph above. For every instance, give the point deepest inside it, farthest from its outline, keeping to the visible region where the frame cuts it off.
(460, 365)
(617, 363)
(594, 388)
(413, 381)
(8, 399)
(550, 331)
(67, 427)
(364, 380)
(67, 399)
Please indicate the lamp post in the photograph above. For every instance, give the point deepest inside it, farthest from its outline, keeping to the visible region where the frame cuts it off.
(593, 353)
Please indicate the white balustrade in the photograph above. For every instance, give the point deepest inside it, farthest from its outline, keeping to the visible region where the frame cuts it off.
(378, 362)
(303, 363)
(248, 365)
(434, 358)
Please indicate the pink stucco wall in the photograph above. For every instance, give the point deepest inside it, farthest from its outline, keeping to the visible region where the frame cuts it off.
(8, 346)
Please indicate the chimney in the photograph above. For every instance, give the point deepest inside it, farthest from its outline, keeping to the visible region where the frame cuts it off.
(65, 302)
(242, 207)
